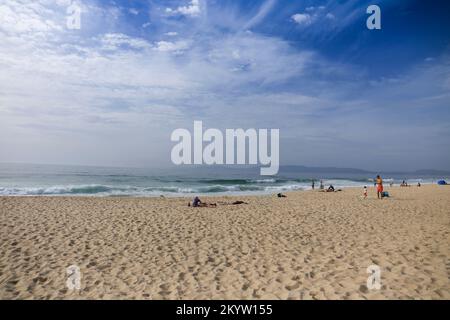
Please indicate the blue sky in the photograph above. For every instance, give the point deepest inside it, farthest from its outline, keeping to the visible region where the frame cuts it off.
(112, 92)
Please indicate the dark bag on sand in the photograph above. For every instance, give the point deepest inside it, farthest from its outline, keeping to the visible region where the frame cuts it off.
(385, 194)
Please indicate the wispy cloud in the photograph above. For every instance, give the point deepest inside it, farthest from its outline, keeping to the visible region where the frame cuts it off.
(263, 11)
(77, 92)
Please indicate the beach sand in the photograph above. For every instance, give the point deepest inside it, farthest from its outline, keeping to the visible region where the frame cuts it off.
(310, 245)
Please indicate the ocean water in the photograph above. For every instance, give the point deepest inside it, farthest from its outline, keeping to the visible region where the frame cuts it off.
(50, 180)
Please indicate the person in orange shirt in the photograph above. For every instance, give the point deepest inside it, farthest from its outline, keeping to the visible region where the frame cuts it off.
(379, 183)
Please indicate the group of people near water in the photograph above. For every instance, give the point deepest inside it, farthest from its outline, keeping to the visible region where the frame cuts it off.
(379, 186)
(380, 190)
(322, 188)
(405, 184)
(378, 183)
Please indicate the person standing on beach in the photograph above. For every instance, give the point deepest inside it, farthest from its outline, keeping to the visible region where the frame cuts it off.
(312, 185)
(379, 184)
(321, 185)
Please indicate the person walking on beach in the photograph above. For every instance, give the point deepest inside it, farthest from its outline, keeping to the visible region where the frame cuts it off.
(312, 185)
(379, 184)
(321, 185)
(365, 192)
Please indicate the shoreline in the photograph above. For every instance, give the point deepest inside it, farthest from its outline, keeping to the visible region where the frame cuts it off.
(211, 194)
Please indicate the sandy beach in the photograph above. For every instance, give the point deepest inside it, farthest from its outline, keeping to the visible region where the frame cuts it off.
(310, 245)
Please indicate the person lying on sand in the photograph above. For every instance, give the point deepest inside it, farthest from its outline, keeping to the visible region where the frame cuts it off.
(280, 195)
(197, 203)
(207, 205)
(235, 203)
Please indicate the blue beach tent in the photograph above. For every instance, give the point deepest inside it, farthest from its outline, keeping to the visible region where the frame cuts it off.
(442, 182)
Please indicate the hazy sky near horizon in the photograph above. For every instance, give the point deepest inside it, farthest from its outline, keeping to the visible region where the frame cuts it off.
(112, 92)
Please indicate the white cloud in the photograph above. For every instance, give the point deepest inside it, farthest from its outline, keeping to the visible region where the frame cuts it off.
(313, 14)
(16, 17)
(314, 9)
(193, 9)
(302, 18)
(133, 11)
(168, 46)
(112, 41)
(171, 34)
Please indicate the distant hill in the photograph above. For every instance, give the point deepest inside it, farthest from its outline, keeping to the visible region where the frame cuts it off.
(324, 169)
(305, 169)
(431, 172)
